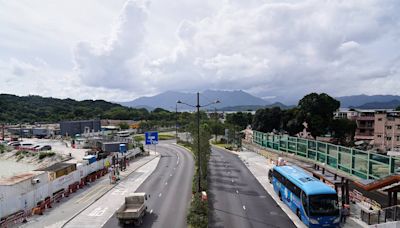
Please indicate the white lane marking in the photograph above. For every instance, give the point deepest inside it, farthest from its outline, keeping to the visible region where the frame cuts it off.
(244, 207)
(232, 180)
(237, 192)
(170, 175)
(159, 195)
(166, 183)
(151, 211)
(99, 211)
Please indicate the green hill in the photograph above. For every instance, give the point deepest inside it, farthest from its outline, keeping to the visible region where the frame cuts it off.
(30, 109)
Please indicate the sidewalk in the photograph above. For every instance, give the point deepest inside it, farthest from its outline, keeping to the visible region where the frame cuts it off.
(259, 167)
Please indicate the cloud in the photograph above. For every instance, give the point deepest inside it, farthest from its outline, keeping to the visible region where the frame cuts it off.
(266, 47)
(114, 63)
(278, 49)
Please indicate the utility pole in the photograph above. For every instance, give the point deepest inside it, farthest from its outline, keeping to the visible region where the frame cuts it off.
(198, 141)
(176, 122)
(198, 106)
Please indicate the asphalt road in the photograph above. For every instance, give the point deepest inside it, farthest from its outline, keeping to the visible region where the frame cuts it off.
(169, 186)
(237, 199)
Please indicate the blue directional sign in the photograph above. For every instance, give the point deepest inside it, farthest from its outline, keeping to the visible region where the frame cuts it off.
(151, 137)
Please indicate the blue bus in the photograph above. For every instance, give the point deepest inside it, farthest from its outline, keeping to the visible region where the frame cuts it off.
(314, 202)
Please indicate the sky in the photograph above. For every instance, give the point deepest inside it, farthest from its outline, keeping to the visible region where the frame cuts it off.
(118, 50)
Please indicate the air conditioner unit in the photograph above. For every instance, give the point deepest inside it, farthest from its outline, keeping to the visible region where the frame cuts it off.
(35, 181)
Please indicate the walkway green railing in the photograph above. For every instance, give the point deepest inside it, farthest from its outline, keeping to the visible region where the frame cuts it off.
(363, 164)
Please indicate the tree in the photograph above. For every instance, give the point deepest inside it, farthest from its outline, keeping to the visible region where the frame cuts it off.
(343, 130)
(398, 108)
(239, 119)
(266, 120)
(290, 121)
(216, 128)
(317, 110)
(123, 126)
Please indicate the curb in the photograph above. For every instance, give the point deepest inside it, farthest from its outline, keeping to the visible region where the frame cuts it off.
(86, 207)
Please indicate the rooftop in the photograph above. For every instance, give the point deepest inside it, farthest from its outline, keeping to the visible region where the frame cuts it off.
(20, 177)
(56, 167)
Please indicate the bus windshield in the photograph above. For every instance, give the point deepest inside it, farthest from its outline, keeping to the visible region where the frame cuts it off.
(324, 205)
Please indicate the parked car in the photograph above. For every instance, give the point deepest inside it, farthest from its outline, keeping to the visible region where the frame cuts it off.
(14, 144)
(43, 147)
(25, 146)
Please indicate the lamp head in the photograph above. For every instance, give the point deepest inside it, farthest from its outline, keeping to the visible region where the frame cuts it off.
(179, 102)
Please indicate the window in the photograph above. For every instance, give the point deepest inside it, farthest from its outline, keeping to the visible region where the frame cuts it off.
(304, 201)
(324, 205)
(388, 138)
(398, 138)
(389, 127)
(362, 130)
(379, 136)
(398, 127)
(293, 188)
(279, 177)
(379, 119)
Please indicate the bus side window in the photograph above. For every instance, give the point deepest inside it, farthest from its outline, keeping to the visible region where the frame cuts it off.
(304, 201)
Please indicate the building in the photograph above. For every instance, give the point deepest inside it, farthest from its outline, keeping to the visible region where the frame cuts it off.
(72, 128)
(365, 120)
(387, 130)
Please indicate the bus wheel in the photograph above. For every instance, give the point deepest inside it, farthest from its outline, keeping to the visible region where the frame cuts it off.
(298, 214)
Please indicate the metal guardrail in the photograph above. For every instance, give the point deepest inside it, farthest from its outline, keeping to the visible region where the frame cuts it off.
(388, 214)
(363, 164)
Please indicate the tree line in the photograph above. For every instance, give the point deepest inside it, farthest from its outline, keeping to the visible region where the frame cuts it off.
(317, 110)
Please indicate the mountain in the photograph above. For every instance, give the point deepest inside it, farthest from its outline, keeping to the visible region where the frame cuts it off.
(393, 104)
(167, 100)
(359, 100)
(30, 109)
(254, 107)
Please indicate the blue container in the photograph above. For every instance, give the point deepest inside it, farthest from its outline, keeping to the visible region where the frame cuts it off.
(90, 158)
(122, 148)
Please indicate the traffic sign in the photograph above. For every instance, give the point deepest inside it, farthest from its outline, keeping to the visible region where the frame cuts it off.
(151, 137)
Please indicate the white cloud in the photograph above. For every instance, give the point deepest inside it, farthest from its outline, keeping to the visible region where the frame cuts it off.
(281, 49)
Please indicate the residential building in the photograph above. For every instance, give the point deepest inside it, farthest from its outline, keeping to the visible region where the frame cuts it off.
(387, 130)
(365, 120)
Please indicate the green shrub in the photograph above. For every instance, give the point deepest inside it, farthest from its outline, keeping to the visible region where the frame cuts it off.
(46, 154)
(198, 213)
(138, 138)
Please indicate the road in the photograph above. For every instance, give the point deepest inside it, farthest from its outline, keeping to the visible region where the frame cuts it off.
(170, 188)
(237, 199)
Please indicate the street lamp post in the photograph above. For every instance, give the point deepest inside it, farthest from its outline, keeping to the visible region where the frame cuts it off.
(198, 106)
(176, 122)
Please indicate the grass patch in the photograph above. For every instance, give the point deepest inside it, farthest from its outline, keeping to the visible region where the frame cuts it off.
(20, 157)
(161, 136)
(166, 137)
(22, 152)
(46, 154)
(185, 144)
(138, 138)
